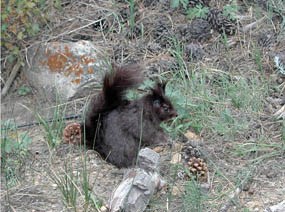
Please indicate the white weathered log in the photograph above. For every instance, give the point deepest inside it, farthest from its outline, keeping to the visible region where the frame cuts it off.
(139, 184)
(278, 207)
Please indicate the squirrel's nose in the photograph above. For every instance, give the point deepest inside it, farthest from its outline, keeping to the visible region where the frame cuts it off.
(174, 114)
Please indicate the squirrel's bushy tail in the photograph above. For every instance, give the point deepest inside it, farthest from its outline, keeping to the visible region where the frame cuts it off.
(115, 85)
(117, 82)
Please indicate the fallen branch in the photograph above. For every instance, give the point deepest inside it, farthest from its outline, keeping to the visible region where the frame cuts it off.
(11, 78)
(252, 25)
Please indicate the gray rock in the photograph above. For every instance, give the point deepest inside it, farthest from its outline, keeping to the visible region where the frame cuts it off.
(65, 69)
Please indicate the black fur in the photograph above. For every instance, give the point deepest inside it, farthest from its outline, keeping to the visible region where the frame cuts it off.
(116, 128)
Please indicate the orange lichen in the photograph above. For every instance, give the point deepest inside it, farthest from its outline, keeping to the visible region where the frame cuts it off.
(86, 60)
(79, 72)
(76, 81)
(65, 62)
(56, 62)
(67, 53)
(90, 70)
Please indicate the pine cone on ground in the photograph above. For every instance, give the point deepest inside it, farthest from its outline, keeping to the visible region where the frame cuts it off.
(72, 133)
(197, 166)
(161, 32)
(194, 51)
(267, 39)
(197, 30)
(221, 23)
(194, 3)
(189, 152)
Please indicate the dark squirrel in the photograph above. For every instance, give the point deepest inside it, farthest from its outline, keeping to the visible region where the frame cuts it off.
(118, 128)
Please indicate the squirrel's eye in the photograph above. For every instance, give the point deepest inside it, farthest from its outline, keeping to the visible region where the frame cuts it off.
(166, 109)
(156, 102)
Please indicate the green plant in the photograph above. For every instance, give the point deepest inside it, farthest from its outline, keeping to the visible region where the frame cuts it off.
(228, 125)
(193, 197)
(283, 133)
(176, 3)
(177, 51)
(230, 10)
(132, 15)
(89, 197)
(24, 90)
(257, 56)
(259, 150)
(53, 127)
(197, 12)
(67, 184)
(21, 20)
(276, 6)
(14, 150)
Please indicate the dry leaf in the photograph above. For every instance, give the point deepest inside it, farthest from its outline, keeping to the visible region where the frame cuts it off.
(158, 149)
(192, 136)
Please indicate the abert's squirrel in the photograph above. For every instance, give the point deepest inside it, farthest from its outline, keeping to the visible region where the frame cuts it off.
(116, 127)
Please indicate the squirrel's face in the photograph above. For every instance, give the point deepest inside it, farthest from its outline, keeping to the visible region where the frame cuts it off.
(161, 104)
(164, 109)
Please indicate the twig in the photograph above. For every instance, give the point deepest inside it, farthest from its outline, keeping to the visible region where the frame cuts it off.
(11, 78)
(228, 204)
(251, 25)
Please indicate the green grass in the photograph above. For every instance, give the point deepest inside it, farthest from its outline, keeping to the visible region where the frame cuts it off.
(67, 184)
(194, 197)
(74, 185)
(221, 106)
(132, 16)
(259, 150)
(217, 102)
(53, 127)
(14, 151)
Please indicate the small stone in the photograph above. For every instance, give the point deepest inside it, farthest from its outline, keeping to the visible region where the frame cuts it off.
(103, 209)
(176, 158)
(205, 187)
(54, 186)
(175, 191)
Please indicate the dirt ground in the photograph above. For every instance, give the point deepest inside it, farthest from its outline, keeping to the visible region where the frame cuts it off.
(242, 174)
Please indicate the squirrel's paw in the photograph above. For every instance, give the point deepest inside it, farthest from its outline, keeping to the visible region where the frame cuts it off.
(72, 133)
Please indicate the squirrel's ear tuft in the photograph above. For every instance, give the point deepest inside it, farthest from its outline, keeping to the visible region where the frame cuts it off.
(163, 85)
(159, 89)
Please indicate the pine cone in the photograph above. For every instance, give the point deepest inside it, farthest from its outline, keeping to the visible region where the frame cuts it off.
(221, 23)
(267, 39)
(189, 152)
(194, 51)
(194, 3)
(161, 33)
(72, 133)
(197, 166)
(197, 30)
